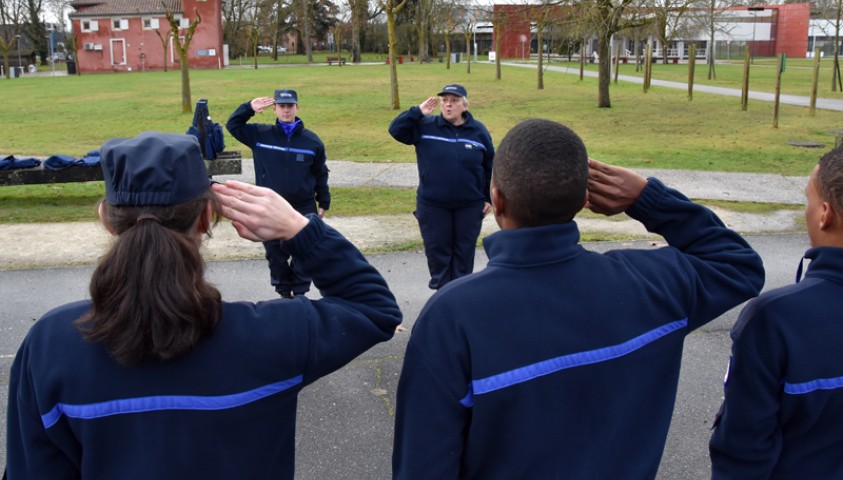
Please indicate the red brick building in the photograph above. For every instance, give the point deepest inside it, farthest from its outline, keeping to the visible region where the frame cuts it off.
(767, 29)
(120, 35)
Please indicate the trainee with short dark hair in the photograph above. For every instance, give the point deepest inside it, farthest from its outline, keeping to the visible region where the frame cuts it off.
(556, 361)
(781, 417)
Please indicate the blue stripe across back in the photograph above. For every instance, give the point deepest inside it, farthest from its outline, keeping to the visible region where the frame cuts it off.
(165, 402)
(285, 149)
(545, 367)
(453, 140)
(808, 387)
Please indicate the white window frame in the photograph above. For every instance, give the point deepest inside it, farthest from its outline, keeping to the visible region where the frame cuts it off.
(122, 42)
(119, 24)
(93, 25)
(154, 23)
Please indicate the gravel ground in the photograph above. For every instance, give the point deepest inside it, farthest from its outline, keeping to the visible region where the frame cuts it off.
(77, 243)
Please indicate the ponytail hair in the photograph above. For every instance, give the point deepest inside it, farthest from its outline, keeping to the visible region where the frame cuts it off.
(150, 298)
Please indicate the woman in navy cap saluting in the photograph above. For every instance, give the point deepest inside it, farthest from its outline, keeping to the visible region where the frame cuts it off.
(454, 153)
(156, 376)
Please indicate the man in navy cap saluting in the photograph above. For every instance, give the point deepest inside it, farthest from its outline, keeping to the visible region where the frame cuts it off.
(289, 159)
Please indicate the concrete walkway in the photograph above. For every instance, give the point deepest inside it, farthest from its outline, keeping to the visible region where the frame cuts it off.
(75, 243)
(822, 103)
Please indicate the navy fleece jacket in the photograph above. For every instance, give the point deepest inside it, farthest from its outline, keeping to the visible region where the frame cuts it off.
(781, 418)
(225, 410)
(454, 162)
(556, 362)
(294, 166)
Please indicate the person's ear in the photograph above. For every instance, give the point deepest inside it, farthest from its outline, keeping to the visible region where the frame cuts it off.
(205, 219)
(498, 200)
(104, 221)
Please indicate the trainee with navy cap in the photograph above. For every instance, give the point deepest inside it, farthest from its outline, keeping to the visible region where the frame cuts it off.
(156, 376)
(289, 159)
(454, 155)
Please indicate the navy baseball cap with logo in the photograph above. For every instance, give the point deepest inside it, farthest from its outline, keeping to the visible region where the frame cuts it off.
(286, 96)
(453, 89)
(153, 168)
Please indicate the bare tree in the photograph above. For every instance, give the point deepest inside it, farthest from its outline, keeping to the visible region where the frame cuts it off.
(181, 47)
(11, 16)
(468, 24)
(360, 15)
(392, 8)
(35, 29)
(708, 15)
(446, 22)
(423, 13)
(236, 14)
(607, 18)
(832, 11)
(670, 21)
(165, 42)
(304, 28)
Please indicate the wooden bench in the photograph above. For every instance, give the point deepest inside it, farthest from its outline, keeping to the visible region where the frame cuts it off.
(226, 163)
(340, 60)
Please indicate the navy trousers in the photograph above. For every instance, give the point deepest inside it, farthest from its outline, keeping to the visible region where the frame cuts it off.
(283, 274)
(450, 239)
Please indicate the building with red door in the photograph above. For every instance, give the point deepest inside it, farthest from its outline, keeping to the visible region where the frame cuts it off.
(126, 35)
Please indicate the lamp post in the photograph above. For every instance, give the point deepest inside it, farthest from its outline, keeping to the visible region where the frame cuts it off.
(17, 37)
(474, 33)
(754, 11)
(52, 56)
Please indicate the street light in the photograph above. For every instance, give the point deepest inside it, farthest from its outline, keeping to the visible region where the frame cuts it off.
(52, 56)
(754, 21)
(19, 61)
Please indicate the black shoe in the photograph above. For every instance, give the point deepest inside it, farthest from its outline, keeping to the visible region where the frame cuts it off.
(286, 294)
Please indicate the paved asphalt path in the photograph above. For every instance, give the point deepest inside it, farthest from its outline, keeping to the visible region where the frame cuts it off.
(802, 101)
(345, 419)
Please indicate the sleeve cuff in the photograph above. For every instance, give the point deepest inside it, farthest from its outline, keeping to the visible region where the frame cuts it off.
(306, 239)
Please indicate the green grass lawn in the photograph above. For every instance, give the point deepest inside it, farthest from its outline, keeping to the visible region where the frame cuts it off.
(349, 107)
(796, 79)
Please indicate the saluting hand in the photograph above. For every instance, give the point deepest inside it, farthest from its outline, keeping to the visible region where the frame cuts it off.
(257, 213)
(260, 103)
(612, 189)
(429, 105)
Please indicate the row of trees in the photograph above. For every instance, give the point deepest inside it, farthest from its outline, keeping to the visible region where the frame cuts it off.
(423, 26)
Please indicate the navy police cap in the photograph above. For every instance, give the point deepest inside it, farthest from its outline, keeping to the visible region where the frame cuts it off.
(286, 96)
(153, 168)
(453, 89)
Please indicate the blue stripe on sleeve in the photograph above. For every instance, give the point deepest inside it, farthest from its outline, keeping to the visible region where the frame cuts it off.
(285, 149)
(808, 387)
(454, 140)
(165, 402)
(545, 367)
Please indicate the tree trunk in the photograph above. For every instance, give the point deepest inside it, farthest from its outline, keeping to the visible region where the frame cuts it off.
(539, 70)
(393, 69)
(186, 102)
(604, 58)
(308, 48)
(447, 51)
(498, 35)
(468, 52)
